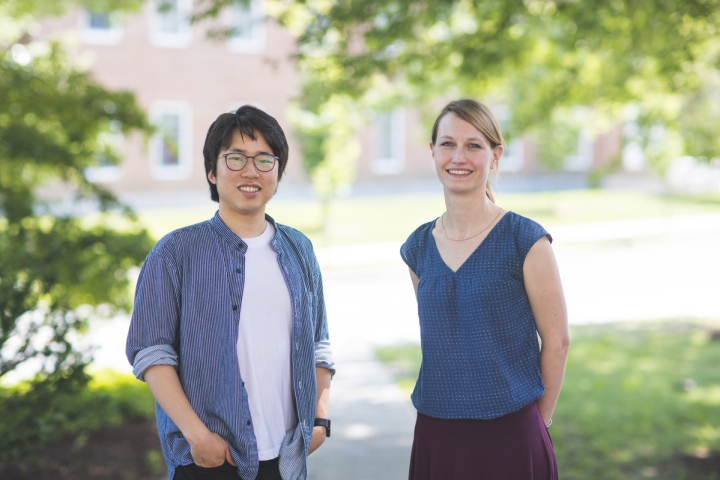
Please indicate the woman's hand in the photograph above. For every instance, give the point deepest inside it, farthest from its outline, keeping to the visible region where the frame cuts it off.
(209, 450)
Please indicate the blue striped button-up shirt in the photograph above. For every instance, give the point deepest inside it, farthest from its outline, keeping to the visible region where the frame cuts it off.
(186, 314)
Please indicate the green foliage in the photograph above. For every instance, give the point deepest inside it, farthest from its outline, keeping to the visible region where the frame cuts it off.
(19, 8)
(557, 139)
(539, 57)
(55, 121)
(45, 412)
(329, 146)
(636, 399)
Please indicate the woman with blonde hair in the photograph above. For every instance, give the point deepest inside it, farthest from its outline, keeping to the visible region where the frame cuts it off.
(487, 285)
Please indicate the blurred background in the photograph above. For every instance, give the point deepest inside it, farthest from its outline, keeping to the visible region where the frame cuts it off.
(611, 113)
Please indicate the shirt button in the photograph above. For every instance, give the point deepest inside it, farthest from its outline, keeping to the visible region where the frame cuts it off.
(300, 384)
(297, 346)
(249, 422)
(243, 384)
(234, 307)
(238, 270)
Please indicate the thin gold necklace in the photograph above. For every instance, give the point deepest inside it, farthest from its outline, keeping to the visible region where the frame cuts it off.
(442, 223)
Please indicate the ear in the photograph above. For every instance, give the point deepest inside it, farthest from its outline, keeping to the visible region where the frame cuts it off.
(432, 149)
(497, 153)
(211, 177)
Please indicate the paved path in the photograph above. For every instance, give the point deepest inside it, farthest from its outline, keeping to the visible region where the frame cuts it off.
(372, 418)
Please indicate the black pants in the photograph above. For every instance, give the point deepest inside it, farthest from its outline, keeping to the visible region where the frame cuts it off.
(269, 470)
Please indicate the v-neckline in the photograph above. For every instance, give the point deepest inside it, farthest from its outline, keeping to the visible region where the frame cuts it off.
(437, 250)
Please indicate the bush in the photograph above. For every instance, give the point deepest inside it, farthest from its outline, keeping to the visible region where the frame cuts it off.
(44, 411)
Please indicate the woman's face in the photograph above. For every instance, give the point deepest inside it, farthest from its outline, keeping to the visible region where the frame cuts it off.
(463, 156)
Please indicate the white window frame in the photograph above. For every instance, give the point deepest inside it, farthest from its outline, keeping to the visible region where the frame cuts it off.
(255, 44)
(513, 158)
(396, 164)
(101, 36)
(109, 173)
(182, 38)
(633, 155)
(582, 159)
(183, 169)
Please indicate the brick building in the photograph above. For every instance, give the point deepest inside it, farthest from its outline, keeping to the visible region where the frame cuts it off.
(184, 80)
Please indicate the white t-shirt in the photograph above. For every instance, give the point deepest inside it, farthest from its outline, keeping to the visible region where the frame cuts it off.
(264, 345)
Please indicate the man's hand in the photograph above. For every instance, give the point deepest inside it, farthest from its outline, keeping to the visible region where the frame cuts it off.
(318, 437)
(210, 450)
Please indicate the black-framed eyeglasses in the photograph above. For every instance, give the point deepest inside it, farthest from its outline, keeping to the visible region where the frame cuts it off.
(264, 162)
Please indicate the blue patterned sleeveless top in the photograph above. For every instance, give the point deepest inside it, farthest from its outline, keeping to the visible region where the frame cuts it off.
(480, 351)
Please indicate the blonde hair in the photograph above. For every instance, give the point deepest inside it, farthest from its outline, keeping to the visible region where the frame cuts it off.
(480, 117)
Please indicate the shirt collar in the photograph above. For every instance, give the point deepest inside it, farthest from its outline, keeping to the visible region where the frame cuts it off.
(231, 237)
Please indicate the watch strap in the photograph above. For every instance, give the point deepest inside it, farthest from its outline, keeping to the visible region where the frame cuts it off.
(323, 422)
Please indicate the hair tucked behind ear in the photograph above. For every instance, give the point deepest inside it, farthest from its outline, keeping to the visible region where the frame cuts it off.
(480, 117)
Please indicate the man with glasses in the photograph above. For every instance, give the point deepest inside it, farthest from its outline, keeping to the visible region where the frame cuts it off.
(229, 327)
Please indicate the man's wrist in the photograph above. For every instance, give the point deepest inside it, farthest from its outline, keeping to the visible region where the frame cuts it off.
(196, 434)
(323, 422)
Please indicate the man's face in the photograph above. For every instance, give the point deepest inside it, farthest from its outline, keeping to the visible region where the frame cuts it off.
(246, 191)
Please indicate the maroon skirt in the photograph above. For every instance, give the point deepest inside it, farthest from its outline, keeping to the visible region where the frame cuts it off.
(516, 446)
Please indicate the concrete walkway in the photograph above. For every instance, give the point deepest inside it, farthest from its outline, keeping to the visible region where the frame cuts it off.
(373, 419)
(372, 427)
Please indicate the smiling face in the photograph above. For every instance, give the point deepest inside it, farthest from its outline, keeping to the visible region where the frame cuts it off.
(463, 156)
(244, 192)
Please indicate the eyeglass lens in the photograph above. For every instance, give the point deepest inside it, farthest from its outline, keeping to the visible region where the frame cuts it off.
(237, 161)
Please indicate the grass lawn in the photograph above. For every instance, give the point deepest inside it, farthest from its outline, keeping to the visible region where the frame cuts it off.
(394, 217)
(639, 401)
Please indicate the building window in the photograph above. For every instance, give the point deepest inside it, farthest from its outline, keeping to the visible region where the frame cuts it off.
(247, 22)
(633, 156)
(389, 134)
(170, 23)
(171, 144)
(513, 158)
(112, 145)
(101, 28)
(582, 159)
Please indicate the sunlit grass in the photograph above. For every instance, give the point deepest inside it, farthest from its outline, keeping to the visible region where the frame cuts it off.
(394, 217)
(636, 399)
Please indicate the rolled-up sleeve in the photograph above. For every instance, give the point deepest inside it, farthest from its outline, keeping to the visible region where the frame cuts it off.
(153, 335)
(323, 349)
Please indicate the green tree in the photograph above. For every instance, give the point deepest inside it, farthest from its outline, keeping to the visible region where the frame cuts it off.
(653, 63)
(56, 267)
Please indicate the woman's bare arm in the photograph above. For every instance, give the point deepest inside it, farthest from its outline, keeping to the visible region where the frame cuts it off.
(544, 289)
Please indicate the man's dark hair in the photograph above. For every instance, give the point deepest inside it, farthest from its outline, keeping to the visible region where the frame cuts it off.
(249, 121)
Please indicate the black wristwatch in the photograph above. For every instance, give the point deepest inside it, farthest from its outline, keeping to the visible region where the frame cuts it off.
(323, 422)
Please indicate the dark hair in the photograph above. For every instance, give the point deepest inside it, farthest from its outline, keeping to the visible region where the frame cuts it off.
(480, 117)
(249, 121)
